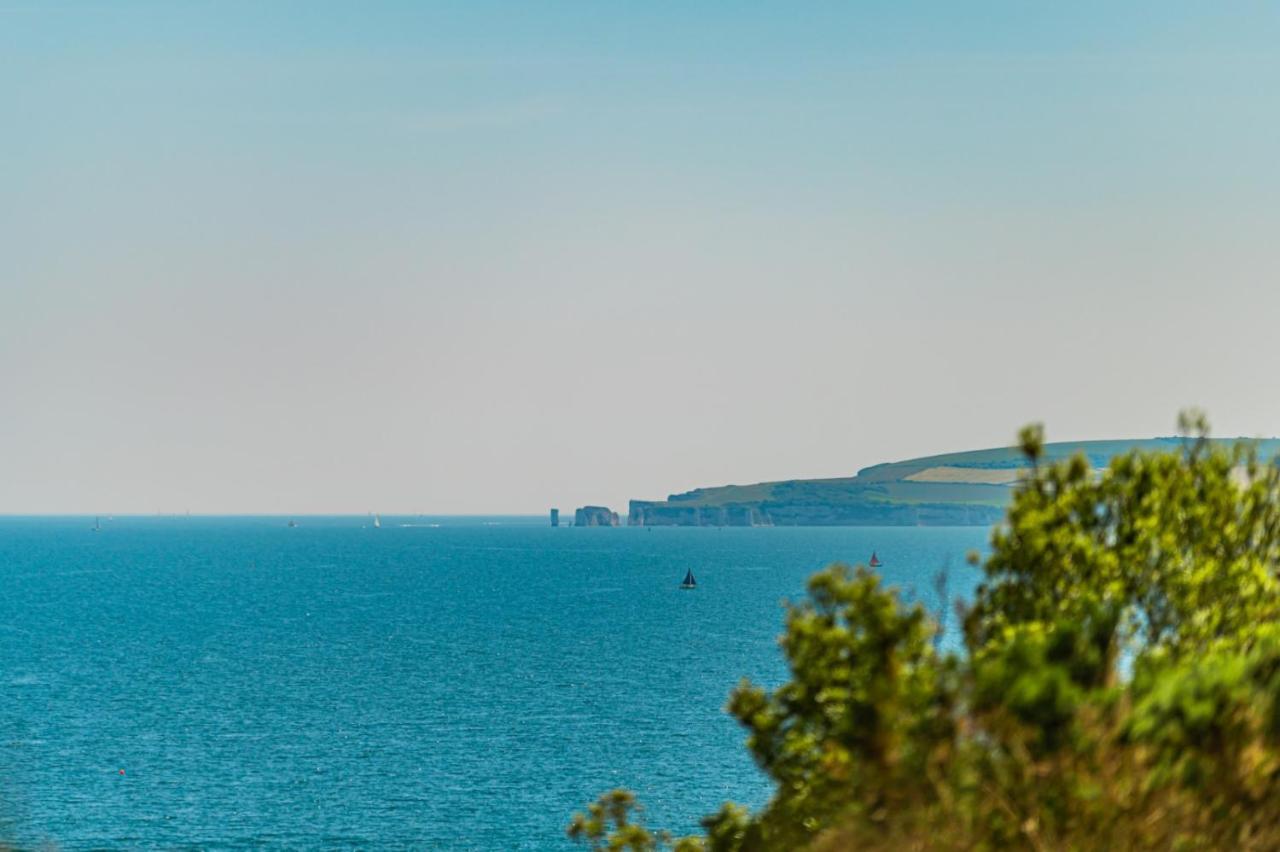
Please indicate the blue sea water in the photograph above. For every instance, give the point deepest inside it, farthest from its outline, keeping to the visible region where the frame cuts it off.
(451, 683)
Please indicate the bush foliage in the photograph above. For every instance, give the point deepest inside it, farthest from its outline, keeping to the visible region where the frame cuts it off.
(1119, 685)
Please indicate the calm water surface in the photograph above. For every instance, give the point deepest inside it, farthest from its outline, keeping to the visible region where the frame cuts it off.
(438, 683)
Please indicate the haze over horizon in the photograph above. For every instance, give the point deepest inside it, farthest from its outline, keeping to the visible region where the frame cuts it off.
(313, 258)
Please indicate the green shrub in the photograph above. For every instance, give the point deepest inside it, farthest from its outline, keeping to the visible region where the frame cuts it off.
(1119, 688)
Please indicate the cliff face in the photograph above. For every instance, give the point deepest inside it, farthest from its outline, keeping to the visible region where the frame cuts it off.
(956, 489)
(650, 513)
(595, 516)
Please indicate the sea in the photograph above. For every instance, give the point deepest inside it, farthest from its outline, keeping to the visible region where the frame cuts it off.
(174, 682)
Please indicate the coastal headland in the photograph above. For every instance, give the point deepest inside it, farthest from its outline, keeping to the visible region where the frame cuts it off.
(956, 489)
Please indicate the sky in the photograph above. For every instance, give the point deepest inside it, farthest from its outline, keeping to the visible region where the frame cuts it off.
(473, 257)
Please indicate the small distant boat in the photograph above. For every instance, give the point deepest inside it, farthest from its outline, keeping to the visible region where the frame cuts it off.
(293, 523)
(689, 582)
(377, 522)
(97, 524)
(875, 560)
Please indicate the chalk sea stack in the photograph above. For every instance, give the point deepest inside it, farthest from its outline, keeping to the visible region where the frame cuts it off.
(595, 516)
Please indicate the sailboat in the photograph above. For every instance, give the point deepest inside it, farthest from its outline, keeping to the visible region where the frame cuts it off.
(97, 524)
(875, 560)
(689, 582)
(377, 522)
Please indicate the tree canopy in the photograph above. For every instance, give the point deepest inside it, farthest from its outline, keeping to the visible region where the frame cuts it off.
(1119, 685)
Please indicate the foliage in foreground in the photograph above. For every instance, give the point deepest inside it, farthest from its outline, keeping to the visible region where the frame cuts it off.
(1120, 685)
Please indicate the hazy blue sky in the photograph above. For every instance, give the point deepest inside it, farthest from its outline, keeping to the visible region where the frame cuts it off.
(469, 257)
